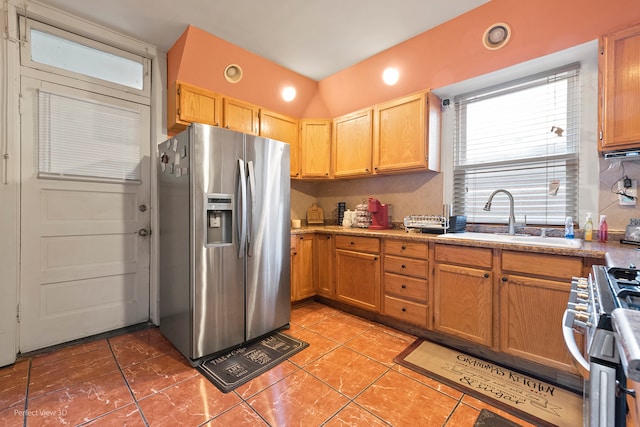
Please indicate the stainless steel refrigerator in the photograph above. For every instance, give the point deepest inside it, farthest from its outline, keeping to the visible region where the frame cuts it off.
(224, 239)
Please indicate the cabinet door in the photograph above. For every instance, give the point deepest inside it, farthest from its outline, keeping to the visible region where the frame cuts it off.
(619, 110)
(302, 268)
(285, 129)
(462, 303)
(352, 144)
(240, 116)
(530, 320)
(358, 279)
(406, 134)
(323, 256)
(187, 104)
(315, 148)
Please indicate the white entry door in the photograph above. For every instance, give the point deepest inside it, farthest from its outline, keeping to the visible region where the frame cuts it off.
(84, 241)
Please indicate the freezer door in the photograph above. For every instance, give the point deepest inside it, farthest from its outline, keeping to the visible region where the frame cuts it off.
(268, 253)
(218, 269)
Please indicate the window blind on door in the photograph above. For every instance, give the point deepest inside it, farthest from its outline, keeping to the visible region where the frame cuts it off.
(84, 138)
(522, 136)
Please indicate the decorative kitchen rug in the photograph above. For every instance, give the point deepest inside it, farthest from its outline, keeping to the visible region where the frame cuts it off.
(526, 397)
(243, 364)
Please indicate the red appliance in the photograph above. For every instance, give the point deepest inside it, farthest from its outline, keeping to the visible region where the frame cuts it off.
(380, 215)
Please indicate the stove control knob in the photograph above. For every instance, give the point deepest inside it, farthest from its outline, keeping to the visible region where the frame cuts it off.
(582, 317)
(579, 307)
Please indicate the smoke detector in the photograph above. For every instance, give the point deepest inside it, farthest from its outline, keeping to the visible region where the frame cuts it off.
(496, 36)
(233, 73)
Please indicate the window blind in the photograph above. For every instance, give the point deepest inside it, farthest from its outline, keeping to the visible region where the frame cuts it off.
(83, 138)
(521, 136)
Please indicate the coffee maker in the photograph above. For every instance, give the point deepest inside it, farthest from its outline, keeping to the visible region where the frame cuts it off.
(380, 215)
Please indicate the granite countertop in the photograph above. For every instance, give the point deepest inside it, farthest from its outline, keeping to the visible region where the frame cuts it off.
(615, 253)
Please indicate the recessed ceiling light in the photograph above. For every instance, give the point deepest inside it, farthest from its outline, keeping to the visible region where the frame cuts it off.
(233, 73)
(496, 36)
(390, 76)
(289, 93)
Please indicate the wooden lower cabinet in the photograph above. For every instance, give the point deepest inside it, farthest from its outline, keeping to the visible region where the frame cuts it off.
(323, 264)
(463, 302)
(357, 273)
(534, 290)
(406, 272)
(302, 267)
(463, 292)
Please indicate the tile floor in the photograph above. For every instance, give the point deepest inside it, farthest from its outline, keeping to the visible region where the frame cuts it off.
(346, 377)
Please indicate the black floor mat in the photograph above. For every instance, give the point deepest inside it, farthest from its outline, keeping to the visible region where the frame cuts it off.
(491, 419)
(241, 365)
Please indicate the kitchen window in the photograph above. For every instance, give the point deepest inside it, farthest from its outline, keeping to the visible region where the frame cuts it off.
(521, 136)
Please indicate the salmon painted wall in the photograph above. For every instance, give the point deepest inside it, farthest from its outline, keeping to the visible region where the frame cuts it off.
(453, 51)
(447, 54)
(200, 58)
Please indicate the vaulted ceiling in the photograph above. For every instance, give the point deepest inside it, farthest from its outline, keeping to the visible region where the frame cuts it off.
(314, 38)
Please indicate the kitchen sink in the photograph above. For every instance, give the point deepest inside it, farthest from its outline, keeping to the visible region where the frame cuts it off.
(520, 239)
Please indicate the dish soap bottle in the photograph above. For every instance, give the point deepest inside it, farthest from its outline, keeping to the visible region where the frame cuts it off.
(588, 228)
(603, 230)
(568, 228)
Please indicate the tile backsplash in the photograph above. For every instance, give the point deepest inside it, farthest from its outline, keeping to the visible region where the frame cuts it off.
(409, 194)
(610, 173)
(422, 193)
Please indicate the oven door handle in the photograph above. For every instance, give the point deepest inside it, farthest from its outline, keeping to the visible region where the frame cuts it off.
(570, 341)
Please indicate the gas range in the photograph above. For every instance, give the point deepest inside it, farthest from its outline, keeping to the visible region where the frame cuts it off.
(589, 312)
(625, 285)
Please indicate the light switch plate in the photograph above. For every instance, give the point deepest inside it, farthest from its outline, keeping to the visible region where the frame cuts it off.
(631, 191)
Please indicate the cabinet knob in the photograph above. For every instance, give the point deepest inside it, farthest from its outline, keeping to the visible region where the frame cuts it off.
(486, 275)
(352, 243)
(504, 279)
(366, 170)
(404, 309)
(328, 237)
(301, 237)
(326, 174)
(375, 258)
(403, 286)
(404, 247)
(295, 253)
(404, 266)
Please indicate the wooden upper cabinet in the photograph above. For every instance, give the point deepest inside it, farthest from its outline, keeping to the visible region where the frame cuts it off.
(315, 148)
(407, 134)
(187, 104)
(352, 144)
(240, 116)
(619, 107)
(282, 128)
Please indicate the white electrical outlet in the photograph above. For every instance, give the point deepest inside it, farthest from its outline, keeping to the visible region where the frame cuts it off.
(631, 192)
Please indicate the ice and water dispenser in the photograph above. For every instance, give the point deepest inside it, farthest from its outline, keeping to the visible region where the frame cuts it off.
(219, 219)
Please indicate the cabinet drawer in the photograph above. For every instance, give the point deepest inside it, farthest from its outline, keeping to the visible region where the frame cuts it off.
(409, 312)
(356, 243)
(465, 255)
(408, 266)
(553, 266)
(404, 248)
(406, 287)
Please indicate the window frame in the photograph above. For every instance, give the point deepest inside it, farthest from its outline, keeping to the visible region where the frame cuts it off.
(26, 24)
(568, 161)
(590, 162)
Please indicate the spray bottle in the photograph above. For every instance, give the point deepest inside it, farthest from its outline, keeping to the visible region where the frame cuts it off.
(588, 228)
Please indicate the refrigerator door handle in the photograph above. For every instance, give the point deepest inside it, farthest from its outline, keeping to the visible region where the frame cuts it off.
(252, 192)
(241, 208)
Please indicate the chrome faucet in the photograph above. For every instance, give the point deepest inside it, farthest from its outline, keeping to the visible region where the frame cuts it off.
(512, 217)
